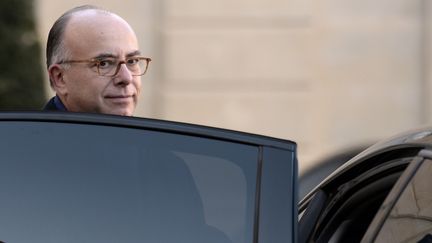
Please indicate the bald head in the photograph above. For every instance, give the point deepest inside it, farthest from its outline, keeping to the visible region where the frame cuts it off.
(91, 33)
(56, 50)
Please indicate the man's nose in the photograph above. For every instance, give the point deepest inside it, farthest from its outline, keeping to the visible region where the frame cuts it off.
(124, 75)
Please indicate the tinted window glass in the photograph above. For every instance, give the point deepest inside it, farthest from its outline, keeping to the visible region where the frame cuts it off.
(88, 183)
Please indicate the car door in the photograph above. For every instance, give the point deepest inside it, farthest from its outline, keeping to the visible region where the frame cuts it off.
(96, 178)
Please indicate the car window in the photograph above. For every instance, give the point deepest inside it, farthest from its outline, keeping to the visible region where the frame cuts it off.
(410, 220)
(91, 183)
(349, 208)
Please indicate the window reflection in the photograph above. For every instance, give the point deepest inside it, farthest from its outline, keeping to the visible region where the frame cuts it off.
(411, 218)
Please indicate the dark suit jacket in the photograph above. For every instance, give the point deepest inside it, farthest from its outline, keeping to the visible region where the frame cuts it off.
(50, 106)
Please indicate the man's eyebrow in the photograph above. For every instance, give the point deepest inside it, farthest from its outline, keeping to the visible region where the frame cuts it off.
(134, 53)
(105, 55)
(110, 55)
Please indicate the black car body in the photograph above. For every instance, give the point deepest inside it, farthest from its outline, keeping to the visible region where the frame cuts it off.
(381, 195)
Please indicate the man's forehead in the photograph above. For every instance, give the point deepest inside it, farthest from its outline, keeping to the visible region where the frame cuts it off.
(93, 32)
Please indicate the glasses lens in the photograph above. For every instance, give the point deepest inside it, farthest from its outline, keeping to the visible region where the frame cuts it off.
(107, 67)
(137, 67)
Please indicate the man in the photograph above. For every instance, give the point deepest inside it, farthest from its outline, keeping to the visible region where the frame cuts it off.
(94, 63)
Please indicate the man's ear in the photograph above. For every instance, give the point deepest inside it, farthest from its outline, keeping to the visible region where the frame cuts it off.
(56, 76)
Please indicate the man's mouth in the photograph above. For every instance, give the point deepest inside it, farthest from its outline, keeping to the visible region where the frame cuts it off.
(119, 98)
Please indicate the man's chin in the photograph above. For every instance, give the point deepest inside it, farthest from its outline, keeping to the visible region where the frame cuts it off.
(121, 107)
(123, 113)
(120, 111)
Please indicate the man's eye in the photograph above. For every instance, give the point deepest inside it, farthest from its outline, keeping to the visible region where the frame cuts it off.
(132, 61)
(106, 63)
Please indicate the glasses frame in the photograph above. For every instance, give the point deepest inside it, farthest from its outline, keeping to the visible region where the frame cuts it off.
(97, 61)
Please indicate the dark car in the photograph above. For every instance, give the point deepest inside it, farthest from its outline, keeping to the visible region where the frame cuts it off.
(382, 195)
(68, 177)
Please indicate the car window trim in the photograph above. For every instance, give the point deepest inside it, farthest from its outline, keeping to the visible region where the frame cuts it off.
(151, 124)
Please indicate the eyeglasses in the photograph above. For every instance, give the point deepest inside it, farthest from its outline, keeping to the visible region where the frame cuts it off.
(110, 67)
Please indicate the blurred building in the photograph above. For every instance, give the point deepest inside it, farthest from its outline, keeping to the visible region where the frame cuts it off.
(328, 74)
